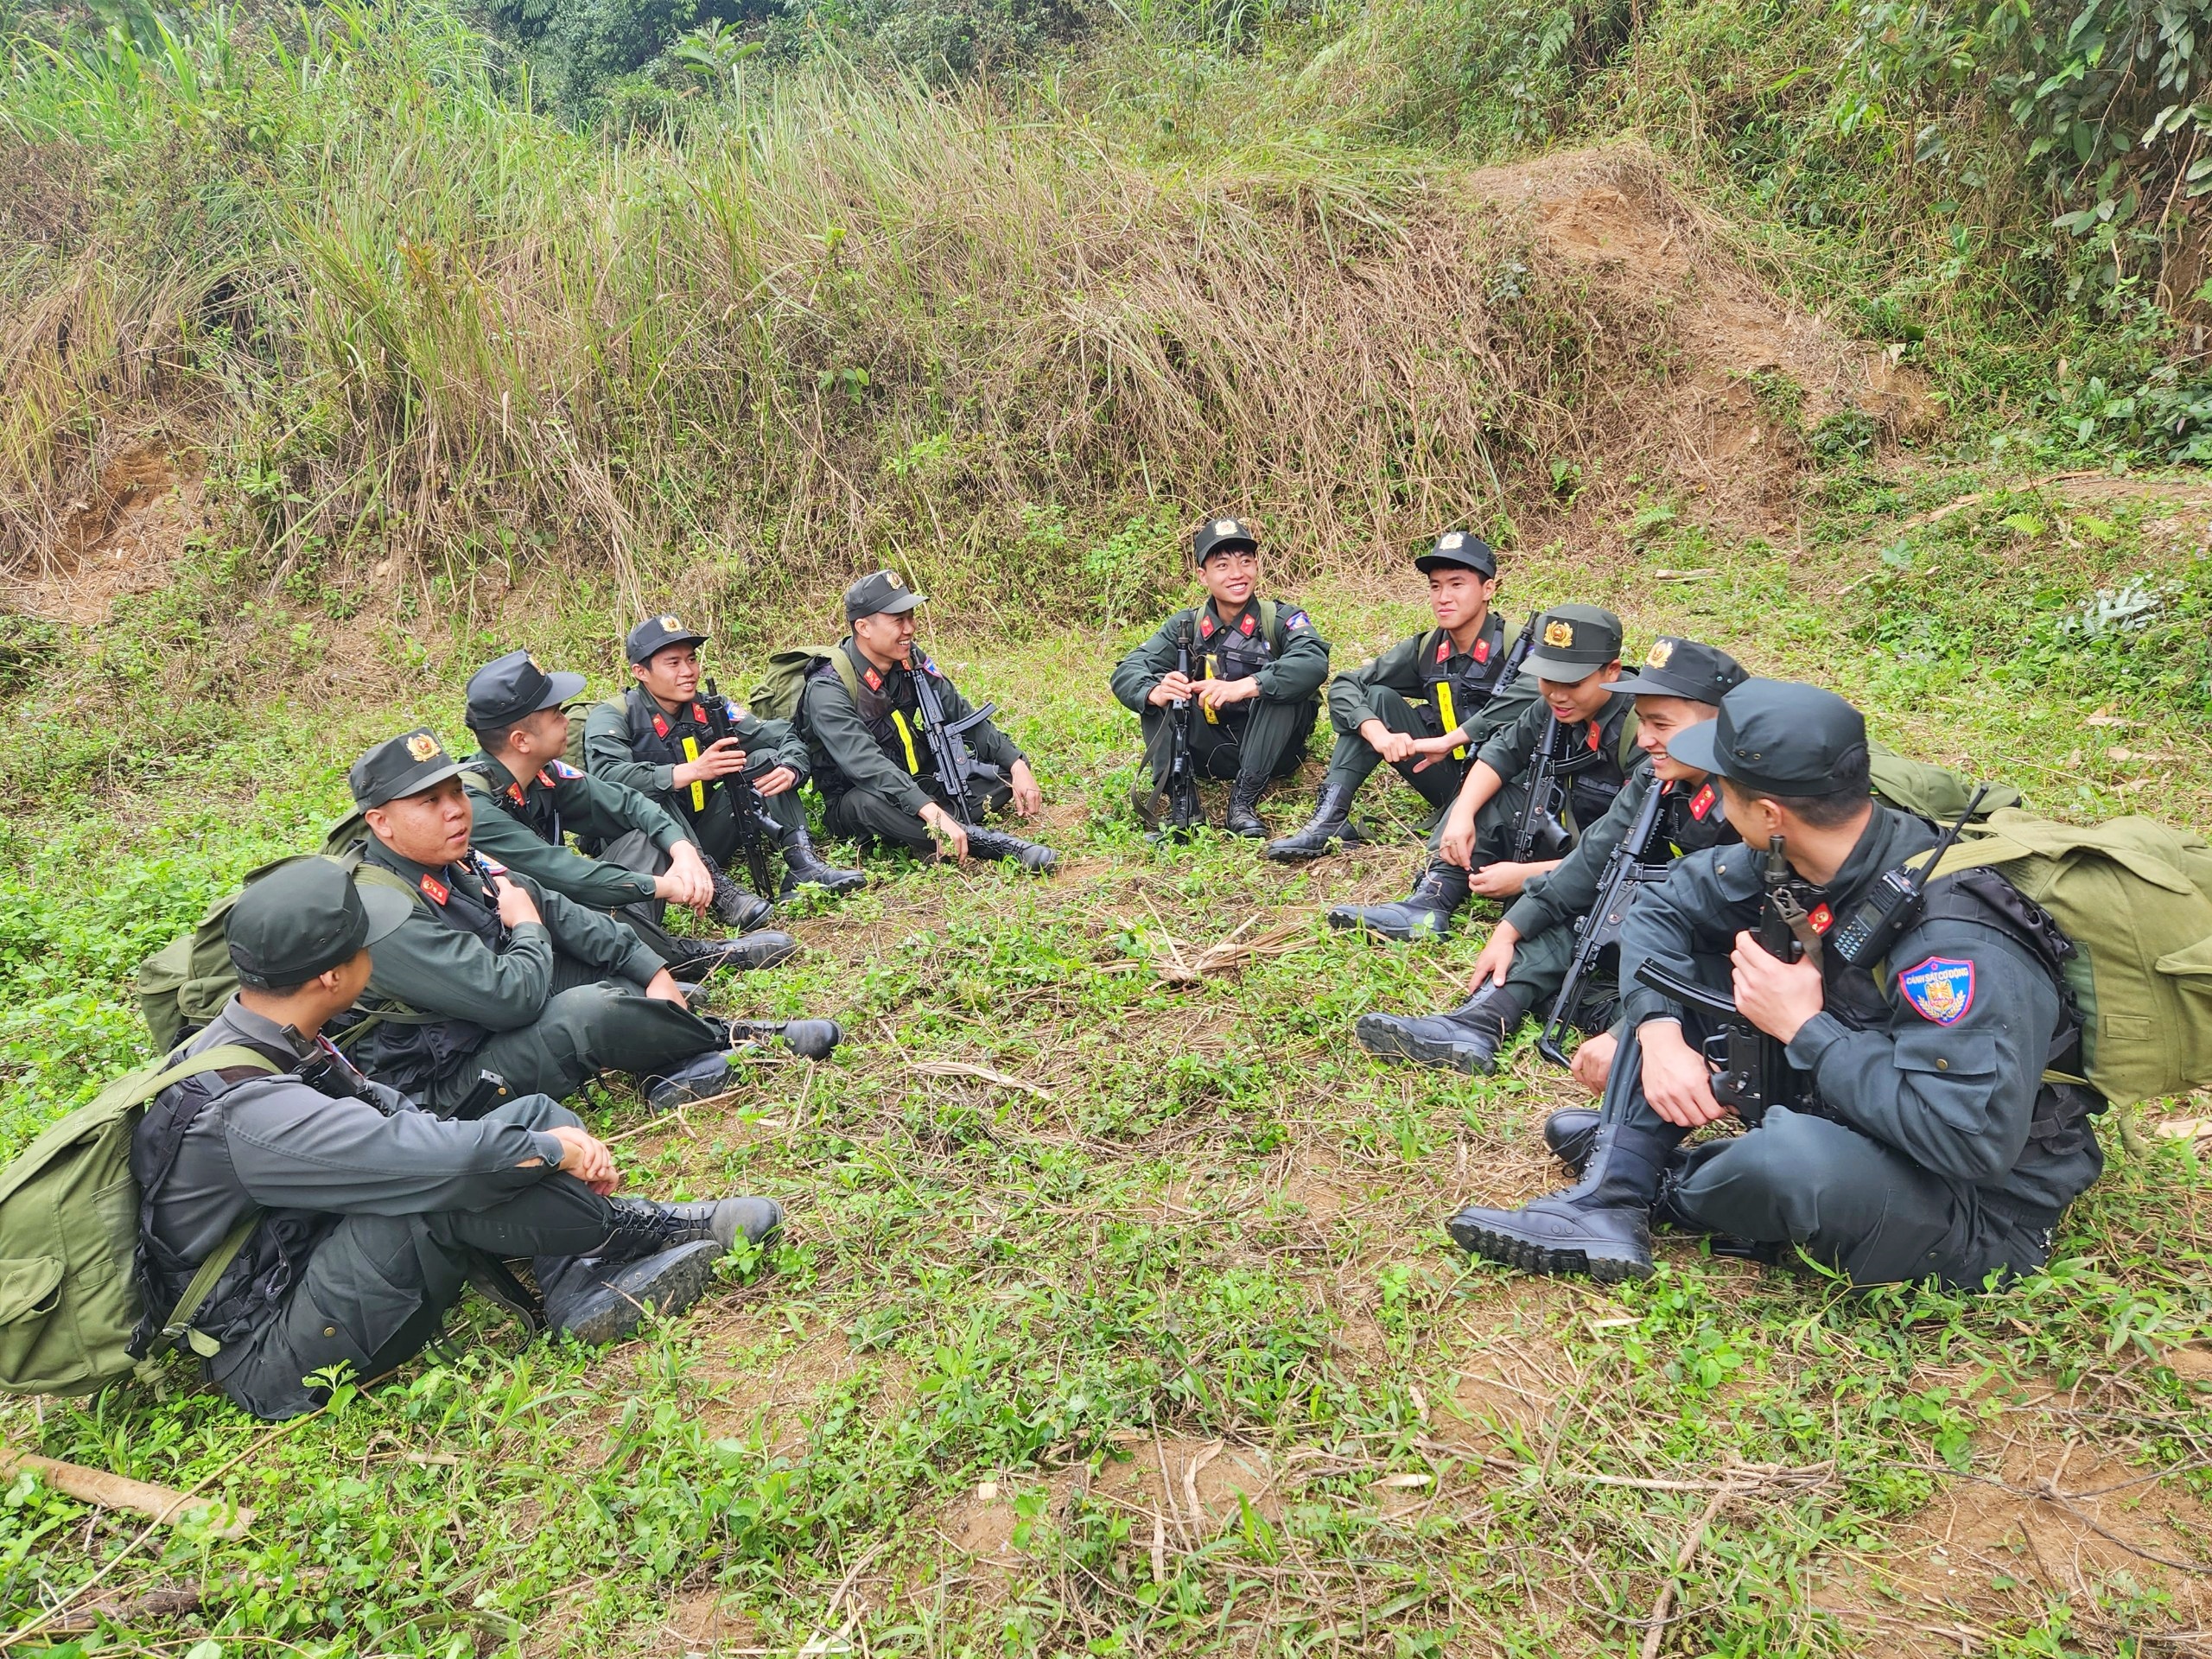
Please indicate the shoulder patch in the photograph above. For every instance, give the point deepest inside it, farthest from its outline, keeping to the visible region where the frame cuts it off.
(931, 669)
(562, 769)
(1939, 988)
(1296, 620)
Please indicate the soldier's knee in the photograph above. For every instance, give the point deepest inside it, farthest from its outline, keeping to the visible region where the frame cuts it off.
(1792, 1163)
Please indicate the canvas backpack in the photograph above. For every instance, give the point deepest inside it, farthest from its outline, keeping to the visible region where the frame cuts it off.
(1933, 792)
(2135, 897)
(69, 1301)
(777, 697)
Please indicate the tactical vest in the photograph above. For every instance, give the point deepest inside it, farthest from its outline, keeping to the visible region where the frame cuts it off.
(1590, 769)
(273, 1255)
(1690, 820)
(658, 738)
(889, 708)
(1459, 685)
(411, 1050)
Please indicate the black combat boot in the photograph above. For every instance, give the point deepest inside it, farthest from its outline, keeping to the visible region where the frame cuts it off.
(1570, 1133)
(697, 1079)
(1424, 913)
(1466, 1040)
(812, 1039)
(1601, 1225)
(764, 948)
(664, 1254)
(1331, 825)
(805, 867)
(735, 907)
(997, 844)
(1243, 819)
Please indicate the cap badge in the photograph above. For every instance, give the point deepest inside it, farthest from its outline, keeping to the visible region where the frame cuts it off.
(1451, 543)
(891, 579)
(671, 625)
(1662, 653)
(422, 746)
(1559, 635)
(1226, 527)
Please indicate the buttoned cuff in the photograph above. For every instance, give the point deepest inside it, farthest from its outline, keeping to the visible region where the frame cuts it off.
(1530, 914)
(549, 1148)
(665, 778)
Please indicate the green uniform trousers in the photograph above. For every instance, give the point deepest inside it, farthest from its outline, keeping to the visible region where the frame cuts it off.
(589, 1025)
(377, 1288)
(648, 918)
(1269, 742)
(862, 815)
(1353, 761)
(1848, 1200)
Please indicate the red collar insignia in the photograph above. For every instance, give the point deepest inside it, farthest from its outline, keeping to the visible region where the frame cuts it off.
(698, 714)
(1444, 651)
(514, 793)
(660, 725)
(1593, 737)
(1701, 803)
(1205, 627)
(875, 680)
(1246, 626)
(1481, 652)
(543, 779)
(436, 890)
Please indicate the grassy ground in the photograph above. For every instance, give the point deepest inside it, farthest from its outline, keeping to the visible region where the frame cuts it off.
(1115, 1314)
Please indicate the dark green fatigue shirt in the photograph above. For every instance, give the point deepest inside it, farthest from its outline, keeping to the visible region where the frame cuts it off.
(610, 753)
(846, 755)
(1296, 672)
(595, 808)
(1399, 670)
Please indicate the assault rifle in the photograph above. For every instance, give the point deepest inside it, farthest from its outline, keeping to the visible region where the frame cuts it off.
(756, 831)
(1627, 870)
(1183, 809)
(1752, 1069)
(1539, 832)
(948, 743)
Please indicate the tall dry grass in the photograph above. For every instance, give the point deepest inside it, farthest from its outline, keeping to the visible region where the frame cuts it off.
(843, 323)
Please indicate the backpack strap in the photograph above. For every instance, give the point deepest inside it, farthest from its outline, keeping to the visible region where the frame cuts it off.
(223, 1056)
(1271, 624)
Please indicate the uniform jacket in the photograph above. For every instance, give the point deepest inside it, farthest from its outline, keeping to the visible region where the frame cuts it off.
(1606, 747)
(1481, 696)
(1690, 819)
(1940, 1056)
(283, 1146)
(453, 972)
(640, 744)
(520, 824)
(1238, 647)
(857, 745)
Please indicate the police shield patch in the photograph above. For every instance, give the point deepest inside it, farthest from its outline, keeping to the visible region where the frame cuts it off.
(1939, 988)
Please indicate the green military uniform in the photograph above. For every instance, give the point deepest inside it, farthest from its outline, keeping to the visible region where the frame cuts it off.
(1273, 641)
(637, 740)
(352, 1218)
(1922, 1137)
(455, 991)
(1589, 762)
(871, 757)
(523, 824)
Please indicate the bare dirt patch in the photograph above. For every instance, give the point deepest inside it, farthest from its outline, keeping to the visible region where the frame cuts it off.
(119, 537)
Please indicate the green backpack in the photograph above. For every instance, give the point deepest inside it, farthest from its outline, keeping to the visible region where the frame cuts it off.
(2135, 896)
(69, 1301)
(185, 985)
(776, 697)
(1933, 792)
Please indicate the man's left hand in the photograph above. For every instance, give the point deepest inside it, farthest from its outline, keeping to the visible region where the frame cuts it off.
(1776, 997)
(1505, 880)
(1028, 799)
(687, 881)
(781, 781)
(1219, 693)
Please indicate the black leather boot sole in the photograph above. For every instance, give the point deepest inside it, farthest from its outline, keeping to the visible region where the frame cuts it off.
(1389, 1037)
(1490, 1235)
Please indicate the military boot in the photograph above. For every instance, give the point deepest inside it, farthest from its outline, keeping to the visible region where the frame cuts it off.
(1331, 825)
(1466, 1040)
(698, 1079)
(763, 949)
(664, 1254)
(1424, 913)
(997, 844)
(735, 906)
(1570, 1132)
(1601, 1225)
(1243, 819)
(812, 1039)
(805, 867)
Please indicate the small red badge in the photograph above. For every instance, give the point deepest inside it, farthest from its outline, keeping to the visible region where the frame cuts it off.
(1593, 737)
(875, 680)
(1444, 651)
(660, 725)
(1246, 626)
(698, 715)
(1481, 651)
(514, 791)
(436, 888)
(1822, 918)
(1205, 627)
(1701, 803)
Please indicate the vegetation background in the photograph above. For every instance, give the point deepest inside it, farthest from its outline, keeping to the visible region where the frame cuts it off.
(343, 346)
